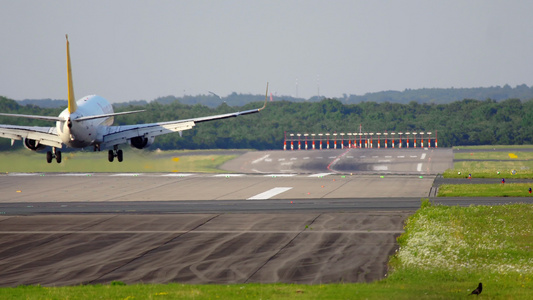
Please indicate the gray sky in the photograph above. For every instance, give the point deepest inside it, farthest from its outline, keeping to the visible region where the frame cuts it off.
(129, 50)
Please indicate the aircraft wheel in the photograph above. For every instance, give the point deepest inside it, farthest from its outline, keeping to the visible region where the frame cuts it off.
(110, 155)
(58, 157)
(49, 156)
(119, 155)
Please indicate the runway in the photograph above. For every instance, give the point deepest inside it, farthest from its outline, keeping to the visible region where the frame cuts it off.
(33, 188)
(296, 216)
(412, 161)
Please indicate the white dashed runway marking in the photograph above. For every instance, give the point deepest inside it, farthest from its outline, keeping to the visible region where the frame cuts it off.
(270, 193)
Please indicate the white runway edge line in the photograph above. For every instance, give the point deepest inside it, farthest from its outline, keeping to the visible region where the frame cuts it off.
(228, 175)
(177, 175)
(125, 174)
(320, 175)
(24, 174)
(270, 193)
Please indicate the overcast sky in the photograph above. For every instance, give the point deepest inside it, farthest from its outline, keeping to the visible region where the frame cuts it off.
(131, 50)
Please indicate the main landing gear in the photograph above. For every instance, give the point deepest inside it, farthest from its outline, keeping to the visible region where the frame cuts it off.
(55, 154)
(115, 153)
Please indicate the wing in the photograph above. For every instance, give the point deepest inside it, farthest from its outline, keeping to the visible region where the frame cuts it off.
(116, 135)
(44, 135)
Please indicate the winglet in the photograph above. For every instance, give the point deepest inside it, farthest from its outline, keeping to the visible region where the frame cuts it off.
(72, 106)
(266, 99)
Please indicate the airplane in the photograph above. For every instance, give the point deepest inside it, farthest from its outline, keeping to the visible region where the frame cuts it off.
(88, 123)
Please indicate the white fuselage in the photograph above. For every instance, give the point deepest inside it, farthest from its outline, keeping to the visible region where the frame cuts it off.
(88, 132)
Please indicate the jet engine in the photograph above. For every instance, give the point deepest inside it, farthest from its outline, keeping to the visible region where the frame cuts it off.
(141, 142)
(33, 145)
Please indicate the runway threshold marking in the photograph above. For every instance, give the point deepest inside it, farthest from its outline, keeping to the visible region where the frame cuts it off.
(270, 193)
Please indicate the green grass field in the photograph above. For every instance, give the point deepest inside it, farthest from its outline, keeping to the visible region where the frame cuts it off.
(486, 190)
(493, 164)
(444, 253)
(511, 156)
(134, 161)
(492, 147)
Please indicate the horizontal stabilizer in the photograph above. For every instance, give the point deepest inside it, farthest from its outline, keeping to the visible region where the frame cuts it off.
(107, 115)
(46, 118)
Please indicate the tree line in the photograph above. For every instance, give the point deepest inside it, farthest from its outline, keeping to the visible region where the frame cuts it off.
(425, 95)
(466, 122)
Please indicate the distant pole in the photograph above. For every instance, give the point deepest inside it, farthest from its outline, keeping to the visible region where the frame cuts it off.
(296, 88)
(318, 86)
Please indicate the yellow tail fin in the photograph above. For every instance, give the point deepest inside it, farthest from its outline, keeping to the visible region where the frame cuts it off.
(72, 106)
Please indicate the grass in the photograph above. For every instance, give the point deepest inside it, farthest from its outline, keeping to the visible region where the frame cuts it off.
(444, 246)
(492, 147)
(486, 190)
(515, 155)
(516, 164)
(444, 253)
(489, 169)
(134, 161)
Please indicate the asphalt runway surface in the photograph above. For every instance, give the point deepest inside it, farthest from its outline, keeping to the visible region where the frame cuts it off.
(295, 216)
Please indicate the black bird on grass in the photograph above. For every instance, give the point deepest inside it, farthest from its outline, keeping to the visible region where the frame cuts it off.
(478, 290)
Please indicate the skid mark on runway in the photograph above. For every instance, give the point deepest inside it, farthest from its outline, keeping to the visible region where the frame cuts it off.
(270, 193)
(147, 252)
(32, 232)
(198, 231)
(280, 250)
